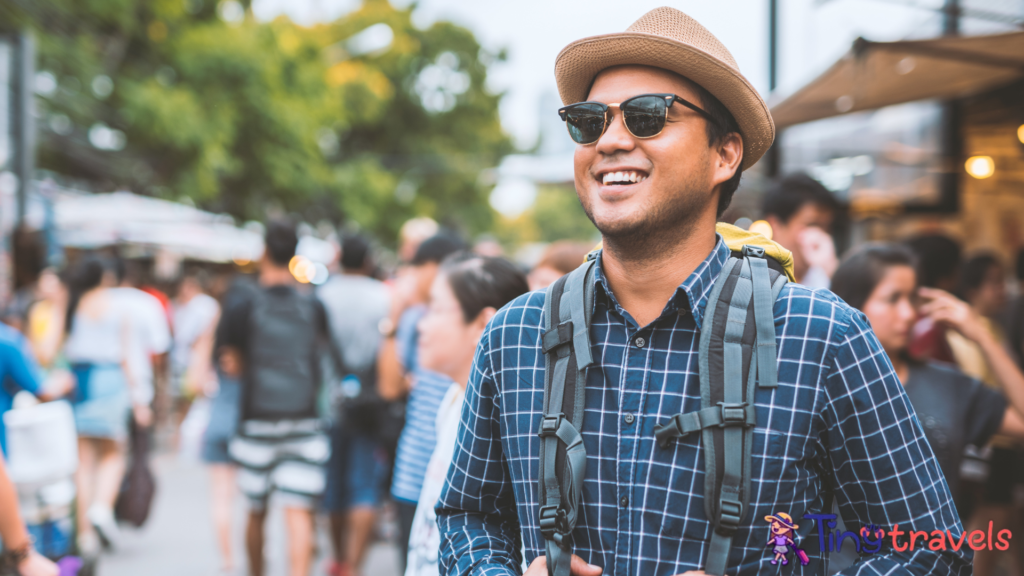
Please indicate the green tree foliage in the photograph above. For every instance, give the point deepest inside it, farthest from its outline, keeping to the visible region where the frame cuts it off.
(555, 215)
(181, 98)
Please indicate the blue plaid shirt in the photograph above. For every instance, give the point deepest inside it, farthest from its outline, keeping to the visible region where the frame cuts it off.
(839, 411)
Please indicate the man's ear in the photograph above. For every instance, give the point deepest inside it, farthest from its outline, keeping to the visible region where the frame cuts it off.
(481, 320)
(728, 155)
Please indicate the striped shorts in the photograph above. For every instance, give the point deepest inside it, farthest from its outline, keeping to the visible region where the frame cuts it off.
(286, 457)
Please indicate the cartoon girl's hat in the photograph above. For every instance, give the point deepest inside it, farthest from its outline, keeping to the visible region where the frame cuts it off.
(782, 518)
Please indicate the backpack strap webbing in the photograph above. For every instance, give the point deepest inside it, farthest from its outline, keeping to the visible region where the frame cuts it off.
(563, 458)
(735, 356)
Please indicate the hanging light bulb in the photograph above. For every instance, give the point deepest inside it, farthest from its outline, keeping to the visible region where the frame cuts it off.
(980, 167)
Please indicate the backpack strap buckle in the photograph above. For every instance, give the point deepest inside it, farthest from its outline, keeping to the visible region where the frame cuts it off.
(751, 251)
(729, 516)
(554, 523)
(736, 414)
(549, 424)
(724, 415)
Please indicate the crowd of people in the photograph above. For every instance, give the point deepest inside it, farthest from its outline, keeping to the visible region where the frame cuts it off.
(453, 388)
(332, 398)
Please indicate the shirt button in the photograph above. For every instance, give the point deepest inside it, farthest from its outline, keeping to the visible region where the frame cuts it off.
(624, 501)
(640, 342)
(628, 418)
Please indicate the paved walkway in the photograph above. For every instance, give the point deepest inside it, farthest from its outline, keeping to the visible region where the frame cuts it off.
(178, 539)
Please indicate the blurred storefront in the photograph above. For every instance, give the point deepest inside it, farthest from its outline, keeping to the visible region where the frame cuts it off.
(918, 135)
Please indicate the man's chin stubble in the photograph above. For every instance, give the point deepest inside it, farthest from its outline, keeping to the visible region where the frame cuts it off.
(655, 232)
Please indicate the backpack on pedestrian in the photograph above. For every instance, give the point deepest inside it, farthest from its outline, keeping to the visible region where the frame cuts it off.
(283, 357)
(737, 354)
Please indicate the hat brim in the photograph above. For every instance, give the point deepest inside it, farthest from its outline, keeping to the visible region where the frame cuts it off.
(580, 62)
(787, 523)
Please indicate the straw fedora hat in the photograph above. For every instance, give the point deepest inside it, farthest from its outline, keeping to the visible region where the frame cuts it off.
(666, 38)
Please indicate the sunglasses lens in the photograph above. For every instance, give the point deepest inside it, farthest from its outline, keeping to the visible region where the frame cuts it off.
(585, 122)
(644, 116)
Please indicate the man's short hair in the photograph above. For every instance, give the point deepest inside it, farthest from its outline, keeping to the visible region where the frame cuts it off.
(281, 239)
(436, 248)
(788, 194)
(938, 258)
(717, 131)
(355, 249)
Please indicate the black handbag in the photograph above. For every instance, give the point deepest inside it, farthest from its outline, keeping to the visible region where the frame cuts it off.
(138, 488)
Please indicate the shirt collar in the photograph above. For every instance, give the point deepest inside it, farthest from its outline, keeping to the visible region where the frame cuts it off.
(692, 295)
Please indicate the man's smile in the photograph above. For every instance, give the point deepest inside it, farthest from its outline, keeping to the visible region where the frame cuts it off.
(616, 182)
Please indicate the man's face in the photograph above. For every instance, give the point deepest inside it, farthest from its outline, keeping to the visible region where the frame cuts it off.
(676, 172)
(788, 233)
(807, 216)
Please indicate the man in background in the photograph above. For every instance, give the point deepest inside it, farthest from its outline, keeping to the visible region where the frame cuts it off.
(355, 304)
(275, 340)
(801, 211)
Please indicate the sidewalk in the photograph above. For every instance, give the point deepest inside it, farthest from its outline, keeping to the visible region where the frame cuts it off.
(178, 539)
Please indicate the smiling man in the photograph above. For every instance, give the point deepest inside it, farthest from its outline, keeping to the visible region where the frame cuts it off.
(665, 123)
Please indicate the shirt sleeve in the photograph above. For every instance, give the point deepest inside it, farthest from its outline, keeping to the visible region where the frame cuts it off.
(986, 408)
(21, 366)
(476, 516)
(884, 472)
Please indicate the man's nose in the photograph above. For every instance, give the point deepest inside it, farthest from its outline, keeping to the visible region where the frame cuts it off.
(616, 138)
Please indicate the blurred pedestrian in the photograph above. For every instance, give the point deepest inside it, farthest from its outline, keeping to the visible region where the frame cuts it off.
(45, 326)
(400, 375)
(193, 375)
(801, 211)
(938, 258)
(275, 342)
(18, 555)
(488, 245)
(195, 314)
(223, 423)
(355, 303)
(1014, 319)
(19, 371)
(955, 409)
(412, 234)
(150, 335)
(983, 287)
(99, 346)
(558, 259)
(467, 292)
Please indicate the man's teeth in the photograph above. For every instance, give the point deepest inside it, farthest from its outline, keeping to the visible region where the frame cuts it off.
(615, 177)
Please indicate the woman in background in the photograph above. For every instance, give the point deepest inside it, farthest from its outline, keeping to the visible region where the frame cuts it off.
(465, 295)
(955, 409)
(97, 347)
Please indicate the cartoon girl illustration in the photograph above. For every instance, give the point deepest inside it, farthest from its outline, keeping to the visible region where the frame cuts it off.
(781, 536)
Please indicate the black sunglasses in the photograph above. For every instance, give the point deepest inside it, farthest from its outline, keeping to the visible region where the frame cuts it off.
(643, 115)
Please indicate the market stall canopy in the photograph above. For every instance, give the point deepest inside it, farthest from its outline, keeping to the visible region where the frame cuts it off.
(95, 220)
(877, 74)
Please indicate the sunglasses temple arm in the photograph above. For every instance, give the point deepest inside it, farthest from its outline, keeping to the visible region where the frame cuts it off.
(695, 108)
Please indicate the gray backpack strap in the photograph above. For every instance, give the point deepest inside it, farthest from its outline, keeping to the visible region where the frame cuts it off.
(563, 458)
(738, 324)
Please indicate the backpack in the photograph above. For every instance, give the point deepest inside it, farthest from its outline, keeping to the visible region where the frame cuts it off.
(737, 353)
(283, 357)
